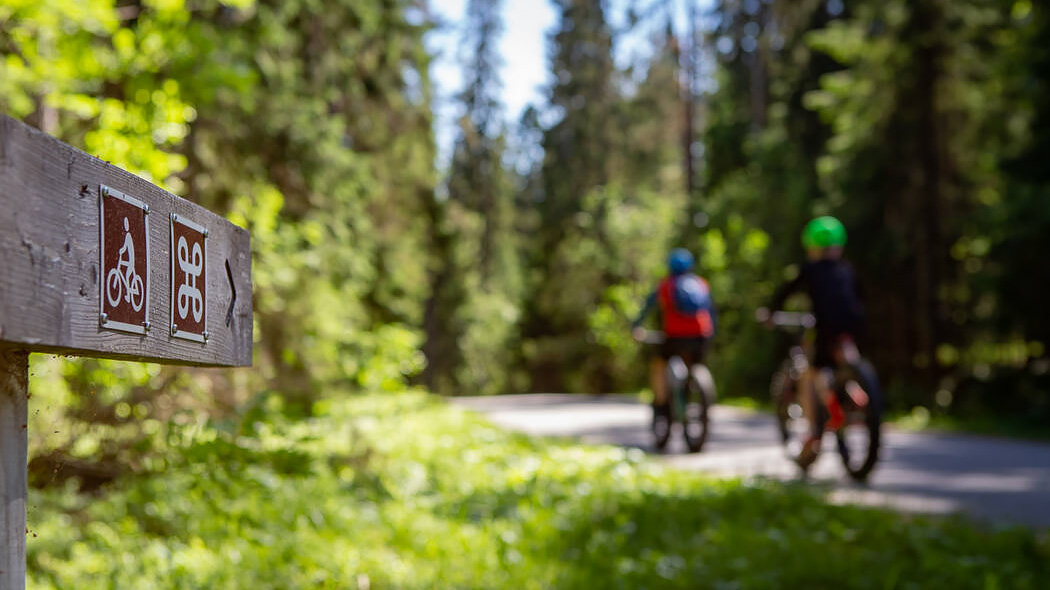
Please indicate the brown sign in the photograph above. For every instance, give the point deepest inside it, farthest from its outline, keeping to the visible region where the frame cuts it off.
(62, 235)
(189, 288)
(124, 260)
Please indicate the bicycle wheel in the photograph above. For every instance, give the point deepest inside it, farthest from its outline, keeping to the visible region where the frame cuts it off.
(782, 392)
(793, 423)
(695, 418)
(114, 287)
(661, 426)
(858, 391)
(138, 293)
(661, 430)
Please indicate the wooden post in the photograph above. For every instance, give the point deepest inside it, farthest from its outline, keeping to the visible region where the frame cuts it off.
(98, 262)
(14, 393)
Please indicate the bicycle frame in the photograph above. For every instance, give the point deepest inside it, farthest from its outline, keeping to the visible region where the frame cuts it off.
(679, 380)
(803, 374)
(677, 372)
(677, 376)
(847, 395)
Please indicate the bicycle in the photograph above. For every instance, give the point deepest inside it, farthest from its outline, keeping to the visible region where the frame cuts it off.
(692, 391)
(854, 385)
(123, 282)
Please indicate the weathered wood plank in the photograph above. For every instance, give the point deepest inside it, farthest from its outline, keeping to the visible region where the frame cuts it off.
(14, 376)
(49, 260)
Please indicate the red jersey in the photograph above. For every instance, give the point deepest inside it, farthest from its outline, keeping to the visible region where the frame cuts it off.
(683, 324)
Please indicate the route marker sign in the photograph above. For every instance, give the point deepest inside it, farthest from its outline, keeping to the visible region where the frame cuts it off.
(189, 248)
(124, 230)
(90, 257)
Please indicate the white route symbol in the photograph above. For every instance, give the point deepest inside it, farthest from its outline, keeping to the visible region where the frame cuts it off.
(123, 280)
(192, 264)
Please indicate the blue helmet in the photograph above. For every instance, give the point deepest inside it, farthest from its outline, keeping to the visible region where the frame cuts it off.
(680, 261)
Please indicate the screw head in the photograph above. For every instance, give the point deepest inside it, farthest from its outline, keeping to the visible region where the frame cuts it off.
(148, 326)
(174, 217)
(206, 335)
(205, 232)
(146, 209)
(174, 328)
(103, 318)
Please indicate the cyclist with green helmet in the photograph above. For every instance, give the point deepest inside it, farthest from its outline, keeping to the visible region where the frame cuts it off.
(835, 300)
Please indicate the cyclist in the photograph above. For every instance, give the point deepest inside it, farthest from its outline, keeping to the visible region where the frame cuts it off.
(688, 318)
(836, 304)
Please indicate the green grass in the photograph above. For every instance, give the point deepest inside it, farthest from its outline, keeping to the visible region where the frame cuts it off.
(402, 491)
(920, 419)
(746, 403)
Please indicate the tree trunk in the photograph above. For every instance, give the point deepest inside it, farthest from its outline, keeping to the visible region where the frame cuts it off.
(926, 24)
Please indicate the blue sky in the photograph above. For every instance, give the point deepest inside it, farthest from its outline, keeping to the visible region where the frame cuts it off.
(523, 48)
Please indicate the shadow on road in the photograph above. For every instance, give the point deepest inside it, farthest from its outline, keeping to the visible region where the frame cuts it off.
(994, 479)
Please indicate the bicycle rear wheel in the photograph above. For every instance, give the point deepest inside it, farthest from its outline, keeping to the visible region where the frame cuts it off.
(696, 418)
(858, 391)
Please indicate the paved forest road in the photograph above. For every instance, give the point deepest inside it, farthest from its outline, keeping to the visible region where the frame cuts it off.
(994, 479)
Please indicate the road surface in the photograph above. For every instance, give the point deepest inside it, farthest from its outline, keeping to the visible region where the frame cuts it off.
(997, 480)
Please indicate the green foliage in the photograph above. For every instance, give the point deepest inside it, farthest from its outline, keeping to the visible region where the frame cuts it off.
(308, 124)
(611, 198)
(347, 499)
(255, 110)
(55, 65)
(907, 120)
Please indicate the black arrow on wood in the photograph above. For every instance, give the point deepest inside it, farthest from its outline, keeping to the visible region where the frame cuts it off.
(233, 288)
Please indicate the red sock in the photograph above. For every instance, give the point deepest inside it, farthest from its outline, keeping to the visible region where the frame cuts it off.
(837, 416)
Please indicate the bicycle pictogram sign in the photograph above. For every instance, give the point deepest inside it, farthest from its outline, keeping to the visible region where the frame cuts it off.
(123, 280)
(189, 252)
(124, 262)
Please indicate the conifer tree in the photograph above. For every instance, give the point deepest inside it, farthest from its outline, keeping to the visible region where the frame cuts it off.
(474, 307)
(577, 161)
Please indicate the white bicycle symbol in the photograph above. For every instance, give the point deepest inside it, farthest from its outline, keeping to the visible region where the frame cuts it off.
(122, 280)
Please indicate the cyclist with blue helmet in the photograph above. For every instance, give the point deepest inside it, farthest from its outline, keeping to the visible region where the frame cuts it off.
(687, 315)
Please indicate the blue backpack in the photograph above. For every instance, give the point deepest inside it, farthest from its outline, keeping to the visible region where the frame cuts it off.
(691, 294)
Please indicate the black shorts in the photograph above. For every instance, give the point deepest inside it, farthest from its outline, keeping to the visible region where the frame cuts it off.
(692, 350)
(825, 346)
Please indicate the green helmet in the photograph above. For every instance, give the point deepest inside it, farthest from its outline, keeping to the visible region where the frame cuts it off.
(824, 232)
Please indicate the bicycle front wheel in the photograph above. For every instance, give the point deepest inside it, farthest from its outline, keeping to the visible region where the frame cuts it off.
(662, 418)
(782, 390)
(858, 391)
(794, 422)
(696, 416)
(138, 293)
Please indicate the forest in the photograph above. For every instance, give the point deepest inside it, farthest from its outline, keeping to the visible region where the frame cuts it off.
(517, 263)
(517, 266)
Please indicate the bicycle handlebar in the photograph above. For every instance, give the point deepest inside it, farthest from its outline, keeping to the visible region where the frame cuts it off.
(652, 337)
(786, 319)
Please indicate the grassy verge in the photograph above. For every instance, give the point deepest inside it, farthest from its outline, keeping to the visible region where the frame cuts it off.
(922, 420)
(406, 492)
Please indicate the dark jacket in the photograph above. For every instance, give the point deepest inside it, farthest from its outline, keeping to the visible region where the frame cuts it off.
(835, 295)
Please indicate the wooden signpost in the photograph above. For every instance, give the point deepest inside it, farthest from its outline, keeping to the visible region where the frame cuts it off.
(97, 262)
